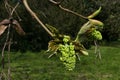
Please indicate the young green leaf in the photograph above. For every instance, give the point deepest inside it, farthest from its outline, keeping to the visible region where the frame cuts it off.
(95, 13)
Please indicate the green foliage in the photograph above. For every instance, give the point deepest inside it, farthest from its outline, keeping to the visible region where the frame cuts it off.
(37, 66)
(68, 56)
(96, 35)
(90, 31)
(67, 51)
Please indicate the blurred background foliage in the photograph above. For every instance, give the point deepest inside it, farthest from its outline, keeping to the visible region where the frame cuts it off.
(36, 37)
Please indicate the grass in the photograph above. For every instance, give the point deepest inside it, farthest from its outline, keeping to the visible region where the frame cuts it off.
(37, 66)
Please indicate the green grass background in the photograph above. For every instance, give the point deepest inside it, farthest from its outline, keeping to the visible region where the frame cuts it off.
(37, 66)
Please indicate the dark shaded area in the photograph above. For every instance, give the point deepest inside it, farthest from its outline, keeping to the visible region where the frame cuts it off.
(37, 38)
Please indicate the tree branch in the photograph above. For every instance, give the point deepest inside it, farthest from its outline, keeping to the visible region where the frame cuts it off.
(35, 16)
(67, 10)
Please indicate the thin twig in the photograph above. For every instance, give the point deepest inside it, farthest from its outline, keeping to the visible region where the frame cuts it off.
(8, 7)
(11, 9)
(5, 76)
(67, 10)
(14, 8)
(8, 39)
(97, 50)
(78, 56)
(70, 11)
(9, 45)
(9, 68)
(18, 16)
(56, 3)
(3, 50)
(52, 54)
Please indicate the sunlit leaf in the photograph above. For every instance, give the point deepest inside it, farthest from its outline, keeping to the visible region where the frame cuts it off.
(18, 28)
(2, 29)
(5, 22)
(84, 52)
(96, 23)
(95, 13)
(84, 28)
